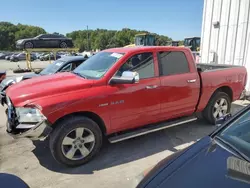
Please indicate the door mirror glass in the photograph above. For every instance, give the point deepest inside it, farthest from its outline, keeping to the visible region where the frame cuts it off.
(222, 119)
(127, 77)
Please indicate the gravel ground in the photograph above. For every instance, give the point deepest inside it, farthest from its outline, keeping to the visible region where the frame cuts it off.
(7, 65)
(115, 166)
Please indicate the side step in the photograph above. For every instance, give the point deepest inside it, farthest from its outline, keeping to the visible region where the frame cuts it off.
(150, 128)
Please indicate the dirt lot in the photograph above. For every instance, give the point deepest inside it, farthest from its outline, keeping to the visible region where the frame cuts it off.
(115, 166)
(7, 65)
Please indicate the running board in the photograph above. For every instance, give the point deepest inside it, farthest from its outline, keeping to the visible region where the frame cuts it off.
(150, 129)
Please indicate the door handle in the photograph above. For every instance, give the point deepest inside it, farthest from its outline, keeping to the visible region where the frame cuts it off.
(191, 81)
(151, 87)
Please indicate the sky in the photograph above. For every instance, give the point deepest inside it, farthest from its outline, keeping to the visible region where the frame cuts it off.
(174, 18)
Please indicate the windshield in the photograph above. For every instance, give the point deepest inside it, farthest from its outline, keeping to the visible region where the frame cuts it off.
(187, 42)
(238, 134)
(37, 37)
(139, 40)
(52, 68)
(96, 66)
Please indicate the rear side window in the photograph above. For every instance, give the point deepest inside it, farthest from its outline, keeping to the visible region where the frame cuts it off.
(171, 63)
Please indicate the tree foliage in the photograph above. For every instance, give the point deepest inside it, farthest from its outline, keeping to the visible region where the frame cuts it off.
(103, 38)
(83, 39)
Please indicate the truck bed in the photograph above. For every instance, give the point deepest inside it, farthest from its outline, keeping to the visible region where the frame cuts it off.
(229, 78)
(202, 67)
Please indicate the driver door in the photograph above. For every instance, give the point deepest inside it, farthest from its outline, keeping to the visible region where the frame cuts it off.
(135, 105)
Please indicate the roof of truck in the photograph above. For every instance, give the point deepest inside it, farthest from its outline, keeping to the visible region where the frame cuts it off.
(142, 48)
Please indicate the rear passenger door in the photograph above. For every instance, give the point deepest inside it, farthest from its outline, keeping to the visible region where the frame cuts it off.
(179, 86)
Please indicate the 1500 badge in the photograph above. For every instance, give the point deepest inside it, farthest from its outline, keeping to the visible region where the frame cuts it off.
(112, 103)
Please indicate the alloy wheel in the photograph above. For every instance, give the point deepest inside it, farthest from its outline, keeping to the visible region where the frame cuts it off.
(78, 143)
(220, 108)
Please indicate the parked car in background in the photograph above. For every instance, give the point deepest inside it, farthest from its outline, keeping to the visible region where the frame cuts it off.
(65, 64)
(21, 56)
(3, 55)
(120, 93)
(221, 159)
(40, 55)
(49, 56)
(7, 57)
(45, 41)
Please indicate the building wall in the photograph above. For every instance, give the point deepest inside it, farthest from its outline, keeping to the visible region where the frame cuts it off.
(225, 37)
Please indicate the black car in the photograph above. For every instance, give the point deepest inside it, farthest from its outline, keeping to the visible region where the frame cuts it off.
(221, 159)
(45, 41)
(65, 64)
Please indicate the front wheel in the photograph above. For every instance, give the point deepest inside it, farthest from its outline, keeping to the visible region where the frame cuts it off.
(219, 105)
(75, 141)
(28, 45)
(63, 45)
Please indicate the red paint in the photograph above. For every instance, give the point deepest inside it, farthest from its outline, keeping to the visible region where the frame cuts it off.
(65, 93)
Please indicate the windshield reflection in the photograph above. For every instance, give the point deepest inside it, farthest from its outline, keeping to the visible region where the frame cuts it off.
(52, 68)
(238, 134)
(96, 66)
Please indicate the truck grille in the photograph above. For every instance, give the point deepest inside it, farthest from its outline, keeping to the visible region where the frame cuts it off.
(11, 115)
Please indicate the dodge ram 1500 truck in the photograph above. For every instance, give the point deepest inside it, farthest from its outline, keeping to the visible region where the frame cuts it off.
(119, 93)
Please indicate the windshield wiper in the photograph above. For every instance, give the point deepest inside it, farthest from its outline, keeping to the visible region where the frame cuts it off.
(231, 147)
(76, 73)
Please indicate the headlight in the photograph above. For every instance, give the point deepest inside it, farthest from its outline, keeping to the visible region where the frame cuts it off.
(19, 41)
(29, 115)
(18, 79)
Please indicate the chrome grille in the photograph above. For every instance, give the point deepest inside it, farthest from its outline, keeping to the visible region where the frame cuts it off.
(9, 104)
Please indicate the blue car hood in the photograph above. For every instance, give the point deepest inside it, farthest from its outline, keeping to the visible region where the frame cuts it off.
(206, 164)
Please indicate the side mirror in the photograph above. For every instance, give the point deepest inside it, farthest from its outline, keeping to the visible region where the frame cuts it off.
(222, 119)
(127, 77)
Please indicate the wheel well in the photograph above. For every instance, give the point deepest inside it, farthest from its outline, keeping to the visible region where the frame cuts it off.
(90, 115)
(226, 90)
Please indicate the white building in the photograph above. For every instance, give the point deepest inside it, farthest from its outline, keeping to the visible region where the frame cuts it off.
(225, 37)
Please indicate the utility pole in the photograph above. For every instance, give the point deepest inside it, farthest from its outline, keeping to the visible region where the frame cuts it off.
(87, 38)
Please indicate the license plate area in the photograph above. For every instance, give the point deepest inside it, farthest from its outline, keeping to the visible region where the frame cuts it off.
(11, 120)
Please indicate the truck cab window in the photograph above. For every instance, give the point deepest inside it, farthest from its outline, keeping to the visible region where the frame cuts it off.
(67, 68)
(172, 63)
(142, 63)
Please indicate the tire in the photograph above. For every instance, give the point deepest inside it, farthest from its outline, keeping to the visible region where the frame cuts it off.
(28, 44)
(209, 111)
(67, 129)
(63, 45)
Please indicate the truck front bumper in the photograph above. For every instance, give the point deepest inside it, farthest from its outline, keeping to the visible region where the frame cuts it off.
(37, 131)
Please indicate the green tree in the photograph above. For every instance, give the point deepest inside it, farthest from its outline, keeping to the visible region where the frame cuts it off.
(83, 39)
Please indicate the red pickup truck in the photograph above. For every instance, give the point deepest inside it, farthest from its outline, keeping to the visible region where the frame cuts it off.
(120, 93)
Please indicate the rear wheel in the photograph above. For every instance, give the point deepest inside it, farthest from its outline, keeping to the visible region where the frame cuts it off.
(219, 105)
(28, 45)
(63, 45)
(75, 141)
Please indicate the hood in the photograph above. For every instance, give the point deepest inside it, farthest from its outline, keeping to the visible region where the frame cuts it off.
(15, 79)
(205, 165)
(43, 86)
(22, 40)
